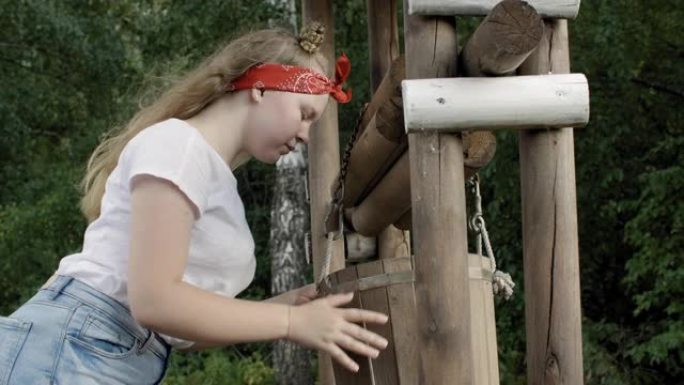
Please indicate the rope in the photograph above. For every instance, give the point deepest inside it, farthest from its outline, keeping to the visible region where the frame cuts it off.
(502, 283)
(328, 257)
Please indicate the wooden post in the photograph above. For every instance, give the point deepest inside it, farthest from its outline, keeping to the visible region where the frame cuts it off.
(383, 44)
(324, 163)
(439, 218)
(383, 38)
(550, 243)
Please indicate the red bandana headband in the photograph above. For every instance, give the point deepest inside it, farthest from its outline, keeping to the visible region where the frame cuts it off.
(282, 77)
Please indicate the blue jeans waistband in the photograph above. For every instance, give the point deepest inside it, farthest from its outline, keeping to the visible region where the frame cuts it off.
(85, 293)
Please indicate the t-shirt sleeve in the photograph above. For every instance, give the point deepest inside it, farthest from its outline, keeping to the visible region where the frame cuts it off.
(171, 153)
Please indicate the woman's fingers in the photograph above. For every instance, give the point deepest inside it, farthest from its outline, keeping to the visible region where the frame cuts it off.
(339, 299)
(361, 315)
(342, 357)
(347, 342)
(362, 334)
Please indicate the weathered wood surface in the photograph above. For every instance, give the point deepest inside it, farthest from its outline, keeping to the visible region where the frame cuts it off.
(438, 210)
(566, 9)
(324, 162)
(503, 40)
(550, 240)
(383, 44)
(515, 102)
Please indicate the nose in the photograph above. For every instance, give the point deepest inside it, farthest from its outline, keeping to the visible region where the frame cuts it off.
(303, 134)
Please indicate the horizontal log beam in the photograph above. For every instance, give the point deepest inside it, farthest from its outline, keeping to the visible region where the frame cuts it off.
(560, 9)
(518, 102)
(503, 40)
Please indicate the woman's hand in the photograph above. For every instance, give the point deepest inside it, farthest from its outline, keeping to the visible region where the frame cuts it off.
(320, 324)
(304, 294)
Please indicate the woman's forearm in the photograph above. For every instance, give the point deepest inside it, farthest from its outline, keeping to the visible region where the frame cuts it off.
(286, 298)
(185, 311)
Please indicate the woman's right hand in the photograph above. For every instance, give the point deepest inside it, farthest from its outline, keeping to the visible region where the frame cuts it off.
(322, 325)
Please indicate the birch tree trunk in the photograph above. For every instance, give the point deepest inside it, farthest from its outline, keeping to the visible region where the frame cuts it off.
(289, 224)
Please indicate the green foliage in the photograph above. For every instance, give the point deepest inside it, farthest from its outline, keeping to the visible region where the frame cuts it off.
(71, 71)
(218, 367)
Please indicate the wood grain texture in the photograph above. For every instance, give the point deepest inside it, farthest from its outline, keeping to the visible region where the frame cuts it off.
(324, 162)
(514, 102)
(566, 9)
(550, 240)
(439, 218)
(503, 40)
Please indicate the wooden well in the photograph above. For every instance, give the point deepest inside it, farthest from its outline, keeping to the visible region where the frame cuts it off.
(387, 286)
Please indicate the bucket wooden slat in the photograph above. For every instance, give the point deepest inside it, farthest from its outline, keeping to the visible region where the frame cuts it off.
(343, 376)
(387, 286)
(384, 366)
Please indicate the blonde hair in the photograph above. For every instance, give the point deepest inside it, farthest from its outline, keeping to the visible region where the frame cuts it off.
(199, 88)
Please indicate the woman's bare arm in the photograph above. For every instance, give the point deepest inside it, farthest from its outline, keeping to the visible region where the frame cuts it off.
(161, 221)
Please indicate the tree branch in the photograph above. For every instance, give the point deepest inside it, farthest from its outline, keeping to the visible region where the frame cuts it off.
(658, 87)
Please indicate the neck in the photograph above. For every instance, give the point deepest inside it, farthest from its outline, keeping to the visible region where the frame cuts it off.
(222, 125)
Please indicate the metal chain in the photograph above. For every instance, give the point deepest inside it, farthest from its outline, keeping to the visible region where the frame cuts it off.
(338, 197)
(502, 283)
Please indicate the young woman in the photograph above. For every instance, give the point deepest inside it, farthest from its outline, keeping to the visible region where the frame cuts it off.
(167, 247)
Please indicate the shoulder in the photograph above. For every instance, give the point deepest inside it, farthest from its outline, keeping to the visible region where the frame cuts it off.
(170, 132)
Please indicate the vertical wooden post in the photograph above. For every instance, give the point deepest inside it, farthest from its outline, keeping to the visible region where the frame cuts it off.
(550, 243)
(324, 163)
(439, 218)
(383, 47)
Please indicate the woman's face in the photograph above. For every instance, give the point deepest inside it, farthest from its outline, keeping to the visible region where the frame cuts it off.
(278, 120)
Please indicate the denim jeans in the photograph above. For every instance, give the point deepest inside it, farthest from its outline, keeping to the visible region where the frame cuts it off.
(69, 333)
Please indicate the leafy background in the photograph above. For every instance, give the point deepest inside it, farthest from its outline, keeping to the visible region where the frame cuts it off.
(72, 70)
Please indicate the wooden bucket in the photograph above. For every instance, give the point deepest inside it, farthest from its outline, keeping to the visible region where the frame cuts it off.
(387, 286)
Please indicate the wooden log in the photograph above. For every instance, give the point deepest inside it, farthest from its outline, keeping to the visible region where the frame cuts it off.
(383, 38)
(522, 102)
(438, 210)
(381, 140)
(391, 198)
(383, 44)
(550, 241)
(404, 222)
(566, 9)
(503, 40)
(359, 247)
(388, 201)
(324, 161)
(479, 148)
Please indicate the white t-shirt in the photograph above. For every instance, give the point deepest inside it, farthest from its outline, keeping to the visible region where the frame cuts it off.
(221, 253)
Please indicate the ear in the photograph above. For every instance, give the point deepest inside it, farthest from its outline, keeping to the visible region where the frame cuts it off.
(255, 95)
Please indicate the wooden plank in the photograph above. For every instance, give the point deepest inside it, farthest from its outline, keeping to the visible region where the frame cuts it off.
(550, 242)
(384, 366)
(344, 376)
(324, 162)
(503, 40)
(566, 9)
(438, 212)
(485, 357)
(522, 102)
(402, 301)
